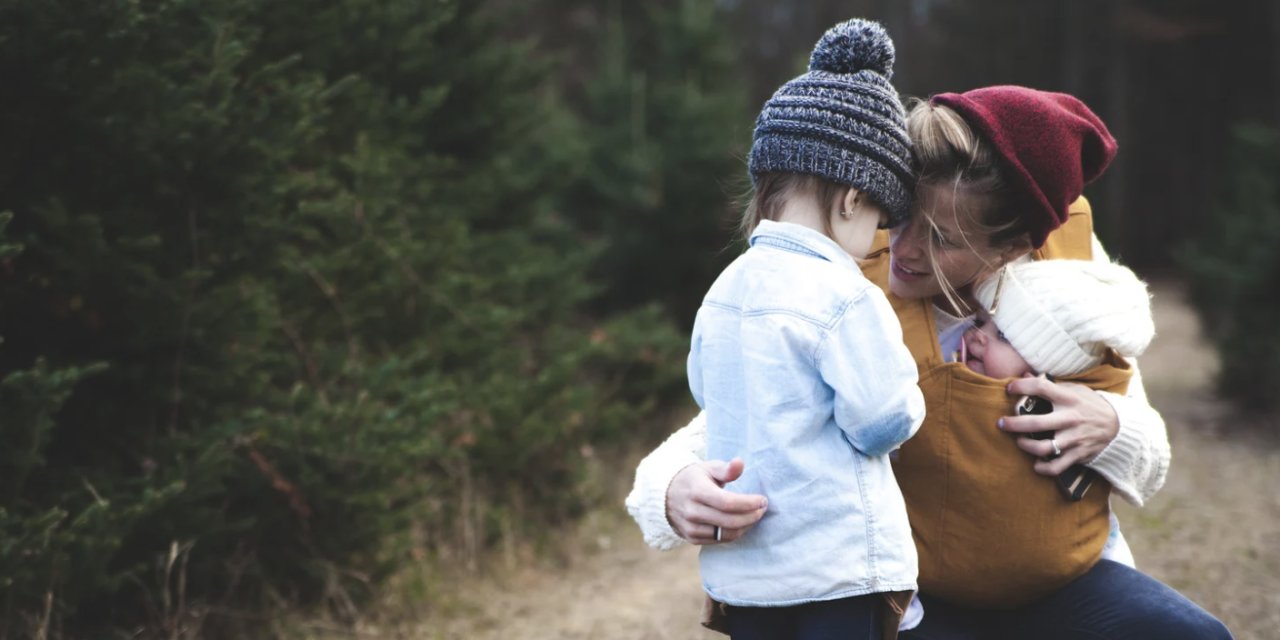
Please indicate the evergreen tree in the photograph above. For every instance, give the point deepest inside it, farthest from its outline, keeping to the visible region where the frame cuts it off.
(1234, 270)
(665, 129)
(281, 279)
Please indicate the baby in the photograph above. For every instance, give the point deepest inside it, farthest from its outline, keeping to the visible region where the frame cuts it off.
(1059, 318)
(1056, 317)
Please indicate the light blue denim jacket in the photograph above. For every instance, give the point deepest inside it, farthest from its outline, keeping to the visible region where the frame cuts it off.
(799, 363)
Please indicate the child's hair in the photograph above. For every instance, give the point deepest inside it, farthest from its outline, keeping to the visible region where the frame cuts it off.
(949, 155)
(773, 190)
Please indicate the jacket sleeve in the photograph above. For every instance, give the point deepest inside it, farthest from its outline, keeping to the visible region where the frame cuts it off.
(878, 403)
(647, 502)
(693, 365)
(1137, 460)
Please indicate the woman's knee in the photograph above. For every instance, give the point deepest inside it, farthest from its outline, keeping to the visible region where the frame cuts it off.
(1115, 600)
(1166, 613)
(1190, 622)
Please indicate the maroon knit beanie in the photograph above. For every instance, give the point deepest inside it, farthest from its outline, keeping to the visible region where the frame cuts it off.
(1051, 143)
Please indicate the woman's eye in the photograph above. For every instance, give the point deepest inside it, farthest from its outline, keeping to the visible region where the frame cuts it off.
(1000, 334)
(941, 241)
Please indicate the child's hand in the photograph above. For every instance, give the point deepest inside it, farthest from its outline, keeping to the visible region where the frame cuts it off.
(697, 503)
(1083, 422)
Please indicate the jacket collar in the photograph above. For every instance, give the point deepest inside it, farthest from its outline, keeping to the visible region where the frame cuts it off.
(800, 239)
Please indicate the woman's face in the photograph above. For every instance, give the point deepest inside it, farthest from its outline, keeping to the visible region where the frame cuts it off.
(951, 248)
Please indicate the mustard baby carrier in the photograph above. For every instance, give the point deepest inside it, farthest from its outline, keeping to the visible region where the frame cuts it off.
(990, 532)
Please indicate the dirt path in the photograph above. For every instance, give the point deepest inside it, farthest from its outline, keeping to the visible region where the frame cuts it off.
(1213, 532)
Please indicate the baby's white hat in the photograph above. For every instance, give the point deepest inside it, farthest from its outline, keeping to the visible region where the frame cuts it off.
(1062, 315)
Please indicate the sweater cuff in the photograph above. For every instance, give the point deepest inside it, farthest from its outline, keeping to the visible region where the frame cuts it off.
(647, 502)
(1115, 461)
(1123, 458)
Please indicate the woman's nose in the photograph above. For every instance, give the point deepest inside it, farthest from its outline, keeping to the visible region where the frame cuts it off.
(905, 240)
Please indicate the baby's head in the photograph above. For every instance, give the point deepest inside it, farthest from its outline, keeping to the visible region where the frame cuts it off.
(1057, 317)
(835, 135)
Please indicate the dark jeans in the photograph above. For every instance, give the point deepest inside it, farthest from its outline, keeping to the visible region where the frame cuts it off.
(857, 617)
(1111, 601)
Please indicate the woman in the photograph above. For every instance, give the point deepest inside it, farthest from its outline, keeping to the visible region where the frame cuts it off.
(1001, 171)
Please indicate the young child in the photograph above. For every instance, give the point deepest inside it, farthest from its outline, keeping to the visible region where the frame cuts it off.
(799, 362)
(1062, 318)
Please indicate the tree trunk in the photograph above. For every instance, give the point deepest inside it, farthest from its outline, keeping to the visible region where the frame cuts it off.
(1275, 62)
(1115, 216)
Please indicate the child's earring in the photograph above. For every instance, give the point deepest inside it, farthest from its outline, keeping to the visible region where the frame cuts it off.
(848, 211)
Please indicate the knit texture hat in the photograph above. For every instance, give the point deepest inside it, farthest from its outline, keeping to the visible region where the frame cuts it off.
(842, 120)
(1050, 143)
(1062, 315)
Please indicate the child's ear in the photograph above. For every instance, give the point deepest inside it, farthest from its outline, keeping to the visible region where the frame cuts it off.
(852, 198)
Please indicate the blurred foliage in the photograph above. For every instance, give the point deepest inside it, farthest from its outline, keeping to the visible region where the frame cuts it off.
(1129, 60)
(1234, 270)
(664, 131)
(285, 283)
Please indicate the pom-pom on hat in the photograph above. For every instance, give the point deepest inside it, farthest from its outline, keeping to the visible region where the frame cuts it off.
(1051, 145)
(842, 120)
(1062, 315)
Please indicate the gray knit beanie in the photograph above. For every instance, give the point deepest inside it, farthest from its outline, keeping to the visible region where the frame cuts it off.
(842, 120)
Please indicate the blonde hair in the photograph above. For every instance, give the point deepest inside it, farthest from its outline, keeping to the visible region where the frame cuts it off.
(771, 191)
(948, 153)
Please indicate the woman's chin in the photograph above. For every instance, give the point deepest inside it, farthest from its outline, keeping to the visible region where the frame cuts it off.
(912, 287)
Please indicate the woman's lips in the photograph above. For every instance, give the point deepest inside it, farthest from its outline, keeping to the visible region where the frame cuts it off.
(903, 273)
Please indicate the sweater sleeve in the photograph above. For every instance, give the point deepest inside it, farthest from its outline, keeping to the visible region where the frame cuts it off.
(647, 502)
(1135, 463)
(1137, 460)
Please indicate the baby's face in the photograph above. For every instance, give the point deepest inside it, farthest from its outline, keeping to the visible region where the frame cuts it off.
(985, 350)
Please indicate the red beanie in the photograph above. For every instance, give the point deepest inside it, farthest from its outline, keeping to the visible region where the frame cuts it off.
(1051, 143)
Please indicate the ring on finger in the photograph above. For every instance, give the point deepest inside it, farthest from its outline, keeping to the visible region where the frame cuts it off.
(718, 534)
(1053, 442)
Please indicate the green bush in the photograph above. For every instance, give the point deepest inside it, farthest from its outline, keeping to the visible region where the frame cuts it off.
(280, 280)
(665, 130)
(1234, 270)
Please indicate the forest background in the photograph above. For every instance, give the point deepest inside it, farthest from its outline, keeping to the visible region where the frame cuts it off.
(294, 295)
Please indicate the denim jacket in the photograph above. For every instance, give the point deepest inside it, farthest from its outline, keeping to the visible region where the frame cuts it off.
(799, 363)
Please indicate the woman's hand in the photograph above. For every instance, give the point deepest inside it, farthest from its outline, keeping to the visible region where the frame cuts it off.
(697, 503)
(1083, 424)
